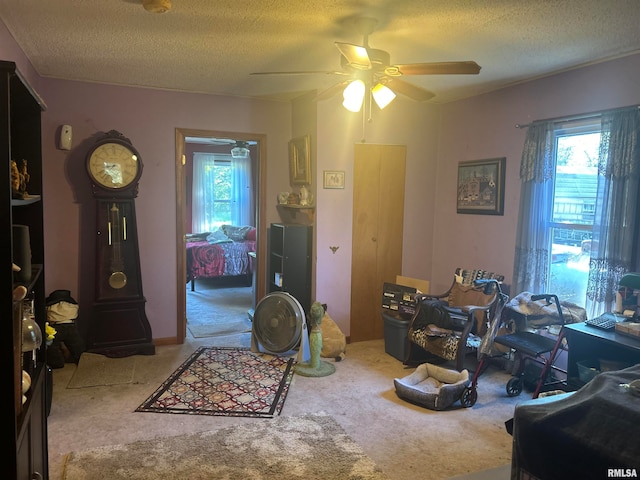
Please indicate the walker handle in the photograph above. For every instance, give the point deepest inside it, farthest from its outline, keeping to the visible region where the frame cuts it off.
(542, 296)
(548, 297)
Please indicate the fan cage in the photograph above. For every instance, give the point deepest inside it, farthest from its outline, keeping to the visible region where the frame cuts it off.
(278, 322)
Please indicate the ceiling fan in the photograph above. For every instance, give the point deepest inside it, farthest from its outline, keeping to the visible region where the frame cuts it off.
(238, 148)
(370, 68)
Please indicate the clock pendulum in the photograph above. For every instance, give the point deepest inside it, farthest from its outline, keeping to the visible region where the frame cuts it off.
(118, 323)
(117, 234)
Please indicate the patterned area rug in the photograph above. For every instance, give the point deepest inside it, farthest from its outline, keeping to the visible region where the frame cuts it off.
(310, 447)
(225, 381)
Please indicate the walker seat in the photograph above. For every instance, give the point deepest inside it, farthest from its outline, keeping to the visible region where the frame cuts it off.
(432, 386)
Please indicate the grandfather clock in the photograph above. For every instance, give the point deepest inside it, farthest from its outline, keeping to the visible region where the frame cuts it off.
(118, 324)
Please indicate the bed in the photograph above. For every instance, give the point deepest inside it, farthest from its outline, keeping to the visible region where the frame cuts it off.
(221, 253)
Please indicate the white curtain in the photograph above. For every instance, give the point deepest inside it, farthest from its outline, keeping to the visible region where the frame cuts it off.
(201, 192)
(616, 217)
(530, 268)
(241, 191)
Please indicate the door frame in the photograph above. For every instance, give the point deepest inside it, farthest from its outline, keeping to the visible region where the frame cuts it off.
(181, 213)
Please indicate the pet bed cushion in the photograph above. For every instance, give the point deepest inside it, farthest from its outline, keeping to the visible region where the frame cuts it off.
(432, 386)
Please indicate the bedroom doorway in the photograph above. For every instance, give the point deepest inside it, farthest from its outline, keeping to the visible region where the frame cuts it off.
(238, 292)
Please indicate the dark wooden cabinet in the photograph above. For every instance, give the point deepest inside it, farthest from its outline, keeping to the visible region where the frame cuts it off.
(290, 261)
(25, 424)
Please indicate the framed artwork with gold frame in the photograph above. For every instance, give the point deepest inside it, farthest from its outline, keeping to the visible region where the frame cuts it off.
(300, 161)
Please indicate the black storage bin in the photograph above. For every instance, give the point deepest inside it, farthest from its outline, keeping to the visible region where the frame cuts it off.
(396, 341)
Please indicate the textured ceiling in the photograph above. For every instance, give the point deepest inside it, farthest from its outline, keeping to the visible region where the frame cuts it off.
(212, 46)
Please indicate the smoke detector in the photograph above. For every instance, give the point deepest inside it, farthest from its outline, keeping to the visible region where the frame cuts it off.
(156, 6)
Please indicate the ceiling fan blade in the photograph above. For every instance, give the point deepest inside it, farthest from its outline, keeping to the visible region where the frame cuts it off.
(307, 72)
(356, 55)
(440, 68)
(412, 91)
(331, 91)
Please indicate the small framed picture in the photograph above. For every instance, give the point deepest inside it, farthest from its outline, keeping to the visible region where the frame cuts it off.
(481, 187)
(333, 179)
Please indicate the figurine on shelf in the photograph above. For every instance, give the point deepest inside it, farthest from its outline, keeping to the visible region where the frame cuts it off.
(16, 180)
(304, 196)
(283, 197)
(24, 179)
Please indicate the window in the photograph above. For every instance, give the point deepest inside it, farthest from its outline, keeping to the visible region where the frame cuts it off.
(575, 183)
(221, 191)
(220, 194)
(579, 223)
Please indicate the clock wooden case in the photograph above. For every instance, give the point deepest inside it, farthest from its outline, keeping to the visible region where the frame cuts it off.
(119, 324)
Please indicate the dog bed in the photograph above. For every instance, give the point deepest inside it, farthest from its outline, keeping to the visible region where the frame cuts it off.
(432, 386)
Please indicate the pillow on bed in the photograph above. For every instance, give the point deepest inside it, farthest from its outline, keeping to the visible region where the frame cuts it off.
(251, 235)
(197, 237)
(237, 234)
(218, 236)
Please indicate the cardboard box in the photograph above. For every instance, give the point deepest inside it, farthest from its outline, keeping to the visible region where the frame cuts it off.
(398, 298)
(631, 329)
(421, 285)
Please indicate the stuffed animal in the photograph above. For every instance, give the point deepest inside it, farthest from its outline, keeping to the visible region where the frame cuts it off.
(334, 343)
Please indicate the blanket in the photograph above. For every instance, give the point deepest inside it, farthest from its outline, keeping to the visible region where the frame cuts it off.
(540, 313)
(581, 435)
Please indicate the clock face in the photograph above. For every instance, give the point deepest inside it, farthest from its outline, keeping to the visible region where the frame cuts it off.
(114, 166)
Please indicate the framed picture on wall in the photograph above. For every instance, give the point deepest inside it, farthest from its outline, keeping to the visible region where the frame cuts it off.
(300, 161)
(481, 186)
(333, 179)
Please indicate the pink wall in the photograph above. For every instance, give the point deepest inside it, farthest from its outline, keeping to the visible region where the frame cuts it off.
(403, 122)
(484, 127)
(436, 238)
(149, 118)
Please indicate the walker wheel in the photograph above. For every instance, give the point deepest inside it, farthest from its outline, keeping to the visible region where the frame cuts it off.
(469, 397)
(514, 387)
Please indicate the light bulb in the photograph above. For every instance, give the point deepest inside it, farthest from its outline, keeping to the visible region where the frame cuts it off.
(383, 95)
(353, 95)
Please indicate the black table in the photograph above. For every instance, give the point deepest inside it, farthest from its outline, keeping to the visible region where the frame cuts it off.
(593, 344)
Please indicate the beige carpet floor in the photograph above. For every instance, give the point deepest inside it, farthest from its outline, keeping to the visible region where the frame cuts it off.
(215, 309)
(308, 447)
(406, 441)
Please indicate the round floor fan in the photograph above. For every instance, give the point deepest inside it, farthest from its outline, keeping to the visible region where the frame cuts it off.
(280, 327)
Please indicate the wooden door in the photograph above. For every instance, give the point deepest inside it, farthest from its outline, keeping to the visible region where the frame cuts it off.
(378, 211)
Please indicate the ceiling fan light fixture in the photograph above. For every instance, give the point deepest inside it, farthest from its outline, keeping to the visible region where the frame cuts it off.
(157, 6)
(382, 95)
(240, 150)
(353, 95)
